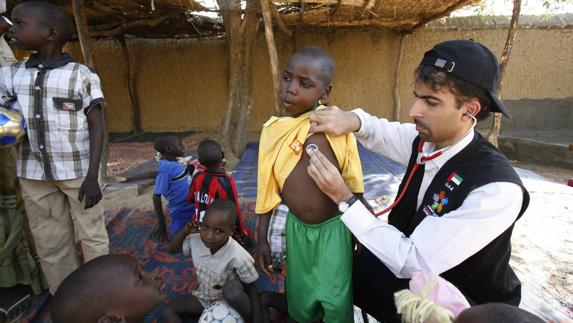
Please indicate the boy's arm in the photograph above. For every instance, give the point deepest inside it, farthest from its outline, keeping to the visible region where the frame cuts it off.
(161, 232)
(253, 293)
(90, 187)
(177, 241)
(263, 249)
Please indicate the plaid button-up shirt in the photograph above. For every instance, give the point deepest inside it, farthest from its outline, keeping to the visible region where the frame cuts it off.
(55, 98)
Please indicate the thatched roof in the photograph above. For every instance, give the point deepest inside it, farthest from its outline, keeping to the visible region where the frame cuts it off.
(177, 18)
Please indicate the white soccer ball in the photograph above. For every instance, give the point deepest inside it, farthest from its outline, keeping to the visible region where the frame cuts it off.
(12, 127)
(220, 312)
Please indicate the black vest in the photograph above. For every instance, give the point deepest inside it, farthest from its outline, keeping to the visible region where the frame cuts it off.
(485, 276)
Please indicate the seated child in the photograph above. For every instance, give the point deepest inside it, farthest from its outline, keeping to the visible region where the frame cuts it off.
(214, 183)
(319, 246)
(225, 270)
(172, 181)
(110, 288)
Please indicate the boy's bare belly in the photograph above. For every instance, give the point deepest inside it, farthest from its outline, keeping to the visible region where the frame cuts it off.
(302, 195)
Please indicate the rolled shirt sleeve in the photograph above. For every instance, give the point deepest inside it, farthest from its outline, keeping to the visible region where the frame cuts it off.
(91, 92)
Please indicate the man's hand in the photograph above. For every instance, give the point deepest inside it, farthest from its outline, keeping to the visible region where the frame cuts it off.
(327, 177)
(333, 121)
(264, 257)
(91, 191)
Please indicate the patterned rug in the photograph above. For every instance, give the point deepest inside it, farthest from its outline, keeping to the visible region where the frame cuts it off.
(130, 229)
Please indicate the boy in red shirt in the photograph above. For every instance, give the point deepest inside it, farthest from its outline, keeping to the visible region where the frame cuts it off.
(214, 183)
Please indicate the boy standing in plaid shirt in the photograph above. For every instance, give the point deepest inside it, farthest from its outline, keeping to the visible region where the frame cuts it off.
(58, 165)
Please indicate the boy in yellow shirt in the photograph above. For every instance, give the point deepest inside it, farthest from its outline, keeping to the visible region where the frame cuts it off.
(319, 247)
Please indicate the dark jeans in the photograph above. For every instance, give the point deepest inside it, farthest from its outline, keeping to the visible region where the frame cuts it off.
(374, 286)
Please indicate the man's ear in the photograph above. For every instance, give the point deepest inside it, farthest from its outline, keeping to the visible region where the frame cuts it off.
(473, 107)
(111, 318)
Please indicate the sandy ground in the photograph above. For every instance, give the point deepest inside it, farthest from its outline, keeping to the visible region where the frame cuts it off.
(542, 245)
(542, 255)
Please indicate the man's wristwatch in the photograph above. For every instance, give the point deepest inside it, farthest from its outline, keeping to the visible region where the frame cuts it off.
(345, 205)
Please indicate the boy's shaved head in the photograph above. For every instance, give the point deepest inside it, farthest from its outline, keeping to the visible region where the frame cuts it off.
(323, 60)
(210, 153)
(51, 16)
(226, 207)
(162, 143)
(496, 313)
(105, 286)
(85, 294)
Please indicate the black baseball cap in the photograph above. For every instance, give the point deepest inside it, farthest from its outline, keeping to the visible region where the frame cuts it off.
(470, 61)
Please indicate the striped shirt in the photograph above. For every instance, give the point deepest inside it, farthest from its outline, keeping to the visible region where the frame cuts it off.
(209, 185)
(55, 98)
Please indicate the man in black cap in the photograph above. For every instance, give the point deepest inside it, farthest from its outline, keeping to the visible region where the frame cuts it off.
(459, 199)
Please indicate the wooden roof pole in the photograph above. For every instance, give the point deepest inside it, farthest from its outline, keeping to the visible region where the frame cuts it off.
(83, 34)
(265, 7)
(84, 39)
(397, 102)
(496, 123)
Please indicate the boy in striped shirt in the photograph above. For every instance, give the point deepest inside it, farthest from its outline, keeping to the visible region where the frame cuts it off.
(214, 183)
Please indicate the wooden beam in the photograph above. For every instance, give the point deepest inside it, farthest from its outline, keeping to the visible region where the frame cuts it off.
(280, 21)
(83, 33)
(364, 7)
(338, 3)
(130, 85)
(84, 40)
(265, 7)
(397, 102)
(120, 28)
(496, 123)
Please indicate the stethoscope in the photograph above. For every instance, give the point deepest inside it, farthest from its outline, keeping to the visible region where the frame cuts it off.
(422, 159)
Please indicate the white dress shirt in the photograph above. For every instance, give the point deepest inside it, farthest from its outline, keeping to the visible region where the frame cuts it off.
(438, 243)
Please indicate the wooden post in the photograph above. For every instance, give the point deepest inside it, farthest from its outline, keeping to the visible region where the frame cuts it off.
(84, 39)
(496, 123)
(397, 102)
(83, 33)
(129, 84)
(272, 52)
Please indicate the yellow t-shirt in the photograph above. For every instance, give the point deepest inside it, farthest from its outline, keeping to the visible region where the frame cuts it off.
(280, 149)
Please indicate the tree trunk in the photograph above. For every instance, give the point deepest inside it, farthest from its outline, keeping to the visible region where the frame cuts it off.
(265, 7)
(84, 39)
(241, 33)
(496, 123)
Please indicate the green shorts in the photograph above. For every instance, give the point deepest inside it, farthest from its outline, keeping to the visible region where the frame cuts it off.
(319, 270)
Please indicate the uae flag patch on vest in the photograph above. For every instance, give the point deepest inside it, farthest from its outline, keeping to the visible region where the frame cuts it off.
(455, 178)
